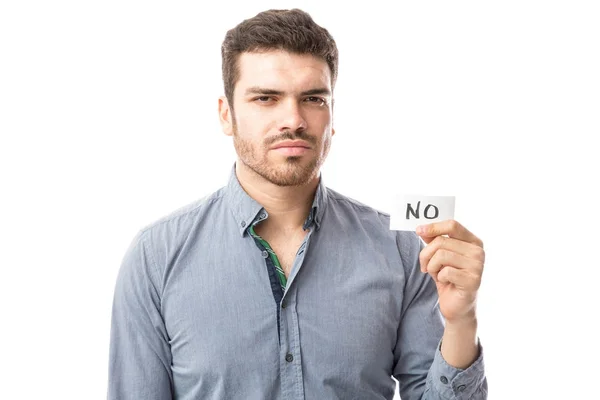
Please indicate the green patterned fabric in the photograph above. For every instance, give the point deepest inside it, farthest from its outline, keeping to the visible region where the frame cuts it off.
(279, 270)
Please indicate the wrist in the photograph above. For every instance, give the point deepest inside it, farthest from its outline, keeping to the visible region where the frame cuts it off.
(467, 322)
(459, 343)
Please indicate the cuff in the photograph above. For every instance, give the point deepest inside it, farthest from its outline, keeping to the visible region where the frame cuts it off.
(455, 383)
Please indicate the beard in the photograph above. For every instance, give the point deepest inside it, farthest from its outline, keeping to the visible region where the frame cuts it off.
(292, 170)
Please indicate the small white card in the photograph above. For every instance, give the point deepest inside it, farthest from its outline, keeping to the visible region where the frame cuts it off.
(411, 211)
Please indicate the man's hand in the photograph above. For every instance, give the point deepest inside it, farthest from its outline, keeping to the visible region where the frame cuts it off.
(454, 258)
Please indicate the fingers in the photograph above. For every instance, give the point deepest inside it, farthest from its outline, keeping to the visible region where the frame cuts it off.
(449, 227)
(460, 278)
(462, 271)
(467, 250)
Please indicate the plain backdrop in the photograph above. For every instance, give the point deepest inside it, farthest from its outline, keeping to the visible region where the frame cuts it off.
(108, 121)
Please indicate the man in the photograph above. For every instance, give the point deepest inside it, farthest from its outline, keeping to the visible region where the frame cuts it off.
(276, 287)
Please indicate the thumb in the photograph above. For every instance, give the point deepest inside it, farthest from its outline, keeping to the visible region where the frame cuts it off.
(426, 239)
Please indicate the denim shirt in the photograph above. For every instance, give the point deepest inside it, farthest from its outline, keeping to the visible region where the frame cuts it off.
(198, 313)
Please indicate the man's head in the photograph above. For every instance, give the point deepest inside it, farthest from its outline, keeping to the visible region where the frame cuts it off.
(293, 31)
(279, 70)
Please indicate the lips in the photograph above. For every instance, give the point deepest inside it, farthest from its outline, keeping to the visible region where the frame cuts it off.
(292, 144)
(291, 149)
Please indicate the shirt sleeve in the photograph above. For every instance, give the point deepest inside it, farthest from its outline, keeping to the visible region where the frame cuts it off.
(447, 382)
(139, 354)
(419, 367)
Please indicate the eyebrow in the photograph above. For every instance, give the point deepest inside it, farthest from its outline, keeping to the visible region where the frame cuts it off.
(311, 92)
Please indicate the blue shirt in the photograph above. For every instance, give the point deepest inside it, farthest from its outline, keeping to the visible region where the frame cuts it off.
(198, 312)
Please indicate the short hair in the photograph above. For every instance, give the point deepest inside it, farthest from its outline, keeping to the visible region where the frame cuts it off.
(291, 30)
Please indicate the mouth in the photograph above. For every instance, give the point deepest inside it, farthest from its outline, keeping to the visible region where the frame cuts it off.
(291, 150)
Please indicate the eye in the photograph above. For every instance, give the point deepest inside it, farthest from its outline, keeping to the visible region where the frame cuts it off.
(263, 99)
(316, 100)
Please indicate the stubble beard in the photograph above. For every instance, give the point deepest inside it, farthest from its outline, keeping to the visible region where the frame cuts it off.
(292, 171)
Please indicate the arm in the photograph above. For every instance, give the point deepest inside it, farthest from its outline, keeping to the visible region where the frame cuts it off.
(459, 344)
(421, 370)
(140, 356)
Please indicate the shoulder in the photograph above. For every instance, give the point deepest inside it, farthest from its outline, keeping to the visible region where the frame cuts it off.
(376, 222)
(180, 221)
(350, 204)
(350, 210)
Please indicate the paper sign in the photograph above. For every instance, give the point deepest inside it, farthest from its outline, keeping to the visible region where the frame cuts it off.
(410, 211)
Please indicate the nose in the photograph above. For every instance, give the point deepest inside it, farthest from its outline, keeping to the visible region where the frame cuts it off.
(292, 118)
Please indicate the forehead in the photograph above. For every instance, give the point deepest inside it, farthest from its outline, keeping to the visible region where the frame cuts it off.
(283, 71)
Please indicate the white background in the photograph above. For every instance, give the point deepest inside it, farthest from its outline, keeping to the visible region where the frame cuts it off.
(108, 121)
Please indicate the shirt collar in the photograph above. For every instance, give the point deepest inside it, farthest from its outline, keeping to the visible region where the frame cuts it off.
(246, 210)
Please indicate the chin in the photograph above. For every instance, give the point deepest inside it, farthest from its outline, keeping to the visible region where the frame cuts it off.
(291, 172)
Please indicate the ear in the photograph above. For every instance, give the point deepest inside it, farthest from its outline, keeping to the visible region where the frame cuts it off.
(225, 117)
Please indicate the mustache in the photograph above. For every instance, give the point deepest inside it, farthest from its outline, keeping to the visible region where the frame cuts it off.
(288, 135)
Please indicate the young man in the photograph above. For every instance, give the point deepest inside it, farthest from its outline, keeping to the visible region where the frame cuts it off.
(277, 287)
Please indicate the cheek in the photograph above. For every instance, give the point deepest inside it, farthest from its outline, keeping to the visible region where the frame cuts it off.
(326, 144)
(326, 126)
(251, 126)
(248, 137)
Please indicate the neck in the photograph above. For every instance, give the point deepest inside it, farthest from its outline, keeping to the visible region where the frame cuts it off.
(288, 206)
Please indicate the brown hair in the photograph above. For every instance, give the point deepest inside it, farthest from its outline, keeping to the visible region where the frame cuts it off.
(291, 30)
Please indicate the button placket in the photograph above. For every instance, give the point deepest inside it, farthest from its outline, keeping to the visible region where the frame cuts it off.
(299, 259)
(293, 344)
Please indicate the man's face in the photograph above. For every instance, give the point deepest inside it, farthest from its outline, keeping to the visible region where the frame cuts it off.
(282, 98)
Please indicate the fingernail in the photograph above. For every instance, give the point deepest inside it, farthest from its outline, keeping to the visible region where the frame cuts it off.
(420, 229)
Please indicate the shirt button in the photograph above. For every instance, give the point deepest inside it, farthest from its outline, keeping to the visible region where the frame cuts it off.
(265, 254)
(461, 388)
(289, 357)
(444, 380)
(283, 304)
(263, 215)
(243, 224)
